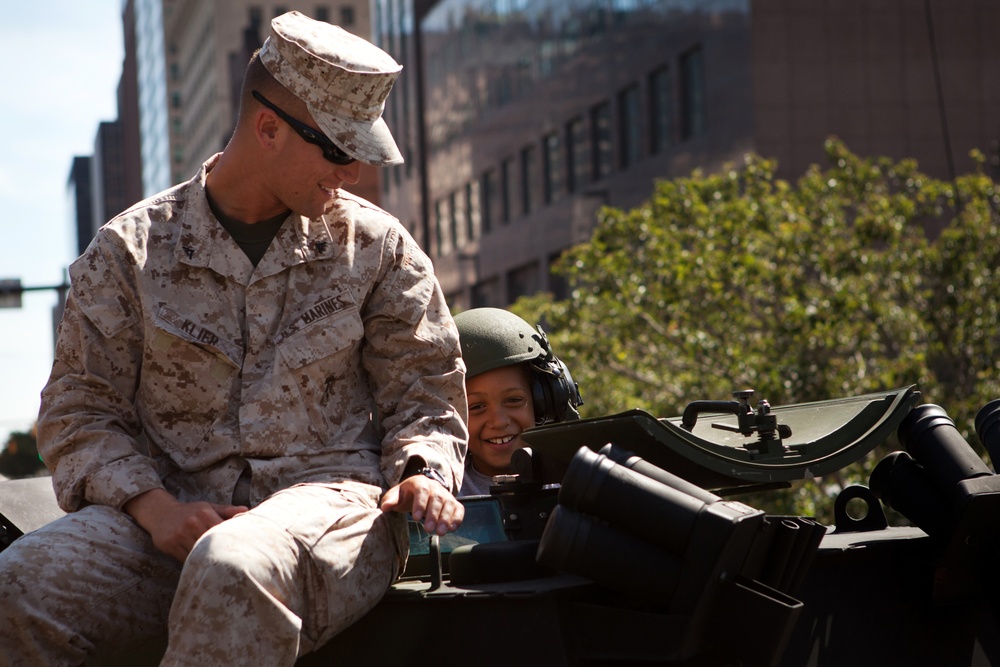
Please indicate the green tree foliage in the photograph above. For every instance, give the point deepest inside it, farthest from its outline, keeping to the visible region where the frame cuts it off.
(831, 287)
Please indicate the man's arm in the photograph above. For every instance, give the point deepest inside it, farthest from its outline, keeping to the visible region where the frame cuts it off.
(413, 358)
(88, 423)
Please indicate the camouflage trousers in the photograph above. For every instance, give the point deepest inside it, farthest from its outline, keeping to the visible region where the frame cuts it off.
(260, 589)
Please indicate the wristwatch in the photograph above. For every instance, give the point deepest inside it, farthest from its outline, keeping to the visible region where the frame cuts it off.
(431, 473)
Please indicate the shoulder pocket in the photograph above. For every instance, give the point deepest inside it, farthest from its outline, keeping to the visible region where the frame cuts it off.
(409, 295)
(98, 295)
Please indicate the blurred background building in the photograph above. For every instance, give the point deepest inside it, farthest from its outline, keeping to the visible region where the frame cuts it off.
(518, 119)
(524, 117)
(178, 97)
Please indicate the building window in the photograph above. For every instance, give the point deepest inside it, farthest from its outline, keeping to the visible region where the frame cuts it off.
(629, 126)
(486, 294)
(506, 189)
(692, 94)
(600, 129)
(489, 201)
(660, 110)
(471, 210)
(558, 286)
(529, 179)
(577, 158)
(256, 16)
(554, 165)
(323, 14)
(523, 281)
(453, 300)
(280, 9)
(453, 221)
(346, 16)
(439, 222)
(175, 100)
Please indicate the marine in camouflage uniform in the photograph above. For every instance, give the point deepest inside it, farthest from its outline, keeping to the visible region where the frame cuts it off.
(209, 421)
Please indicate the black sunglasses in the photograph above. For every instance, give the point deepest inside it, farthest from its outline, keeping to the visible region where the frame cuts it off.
(331, 151)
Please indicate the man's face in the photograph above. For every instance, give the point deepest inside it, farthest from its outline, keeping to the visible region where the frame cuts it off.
(305, 181)
(500, 408)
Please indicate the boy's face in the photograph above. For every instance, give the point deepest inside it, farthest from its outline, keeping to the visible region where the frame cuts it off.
(500, 408)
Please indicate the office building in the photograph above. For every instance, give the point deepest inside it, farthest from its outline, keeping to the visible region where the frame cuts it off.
(520, 118)
(151, 73)
(79, 200)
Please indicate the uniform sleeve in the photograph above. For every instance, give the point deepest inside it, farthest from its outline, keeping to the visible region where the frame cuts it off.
(88, 423)
(413, 358)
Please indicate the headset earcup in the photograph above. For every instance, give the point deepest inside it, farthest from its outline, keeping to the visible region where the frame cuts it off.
(540, 398)
(560, 391)
(550, 393)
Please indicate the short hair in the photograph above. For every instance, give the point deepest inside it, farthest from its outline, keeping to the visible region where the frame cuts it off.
(257, 77)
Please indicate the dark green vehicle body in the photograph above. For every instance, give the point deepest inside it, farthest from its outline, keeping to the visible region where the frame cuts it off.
(621, 540)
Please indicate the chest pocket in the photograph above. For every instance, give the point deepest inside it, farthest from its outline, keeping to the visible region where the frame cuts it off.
(321, 352)
(176, 325)
(190, 373)
(322, 340)
(326, 328)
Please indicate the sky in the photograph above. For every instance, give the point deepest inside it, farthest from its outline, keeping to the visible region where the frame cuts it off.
(60, 81)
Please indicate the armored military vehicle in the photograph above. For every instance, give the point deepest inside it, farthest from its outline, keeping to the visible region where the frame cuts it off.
(622, 540)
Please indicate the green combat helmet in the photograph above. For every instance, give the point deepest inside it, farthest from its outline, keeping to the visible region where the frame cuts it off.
(494, 338)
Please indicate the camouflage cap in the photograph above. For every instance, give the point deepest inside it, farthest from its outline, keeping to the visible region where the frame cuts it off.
(343, 80)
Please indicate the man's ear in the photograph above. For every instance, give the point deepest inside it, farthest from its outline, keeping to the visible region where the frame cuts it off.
(266, 128)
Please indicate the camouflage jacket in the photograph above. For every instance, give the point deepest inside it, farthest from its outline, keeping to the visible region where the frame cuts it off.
(178, 363)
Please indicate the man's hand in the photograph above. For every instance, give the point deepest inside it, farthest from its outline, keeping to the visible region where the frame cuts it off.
(173, 525)
(427, 501)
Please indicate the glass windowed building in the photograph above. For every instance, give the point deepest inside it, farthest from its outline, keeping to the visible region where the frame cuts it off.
(519, 118)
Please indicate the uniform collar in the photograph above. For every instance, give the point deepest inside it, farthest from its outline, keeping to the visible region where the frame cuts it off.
(204, 243)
